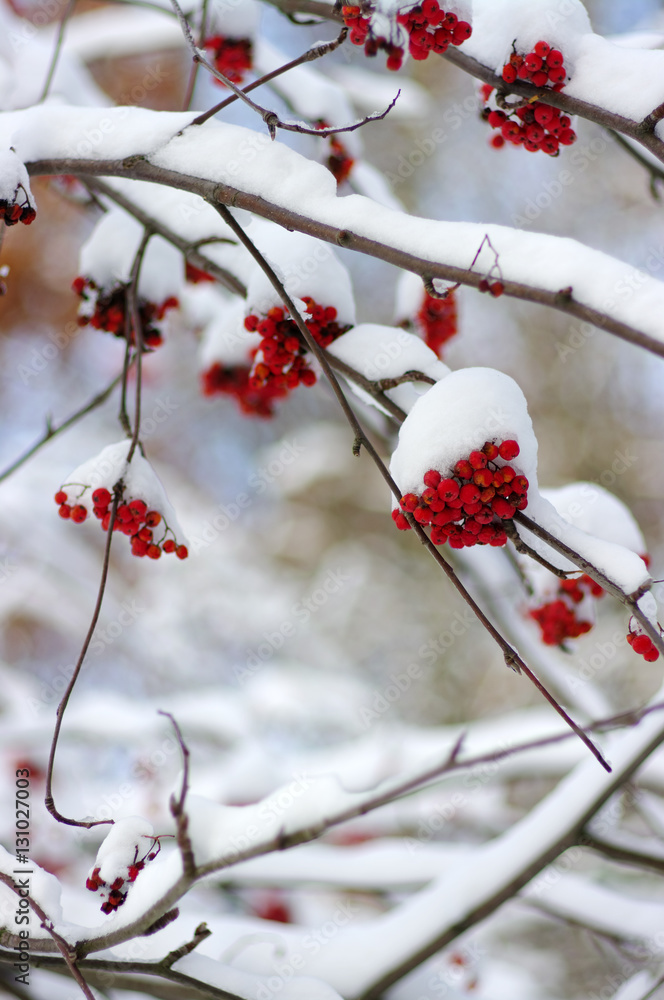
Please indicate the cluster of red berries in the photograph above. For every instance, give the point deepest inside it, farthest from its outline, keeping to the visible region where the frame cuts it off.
(110, 310)
(437, 319)
(116, 893)
(10, 214)
(231, 56)
(643, 645)
(543, 67)
(132, 518)
(339, 163)
(558, 619)
(235, 381)
(281, 355)
(360, 34)
(431, 29)
(536, 125)
(467, 507)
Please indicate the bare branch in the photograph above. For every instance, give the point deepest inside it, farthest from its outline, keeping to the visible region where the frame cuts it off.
(62, 707)
(66, 14)
(135, 324)
(177, 806)
(52, 431)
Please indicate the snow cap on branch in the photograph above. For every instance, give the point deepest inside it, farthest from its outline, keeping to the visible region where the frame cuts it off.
(385, 352)
(107, 257)
(458, 415)
(15, 188)
(305, 265)
(499, 23)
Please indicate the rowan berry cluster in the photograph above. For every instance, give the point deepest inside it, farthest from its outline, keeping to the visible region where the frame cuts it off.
(106, 310)
(643, 645)
(361, 34)
(132, 518)
(431, 29)
(280, 359)
(231, 56)
(115, 894)
(560, 618)
(339, 162)
(234, 381)
(537, 125)
(11, 213)
(466, 507)
(437, 319)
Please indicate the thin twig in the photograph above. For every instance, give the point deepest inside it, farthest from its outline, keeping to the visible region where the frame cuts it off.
(56, 51)
(656, 173)
(510, 655)
(59, 715)
(177, 806)
(52, 431)
(314, 53)
(137, 326)
(191, 84)
(200, 934)
(615, 852)
(526, 550)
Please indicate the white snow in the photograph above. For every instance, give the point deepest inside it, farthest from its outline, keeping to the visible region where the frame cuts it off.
(128, 840)
(13, 178)
(379, 352)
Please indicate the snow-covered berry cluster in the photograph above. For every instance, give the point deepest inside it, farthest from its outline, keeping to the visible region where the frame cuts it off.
(543, 67)
(429, 29)
(12, 212)
(132, 518)
(466, 507)
(563, 617)
(361, 34)
(643, 645)
(129, 846)
(105, 309)
(231, 56)
(234, 380)
(339, 162)
(281, 355)
(437, 318)
(535, 126)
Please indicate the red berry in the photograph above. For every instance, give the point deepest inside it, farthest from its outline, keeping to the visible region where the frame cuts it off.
(508, 450)
(79, 513)
(464, 469)
(502, 508)
(469, 493)
(448, 489)
(567, 136)
(432, 478)
(490, 450)
(483, 478)
(152, 518)
(496, 118)
(169, 545)
(182, 552)
(64, 510)
(509, 73)
(533, 62)
(641, 644)
(542, 49)
(540, 78)
(554, 58)
(138, 509)
(153, 551)
(409, 502)
(651, 654)
(496, 288)
(61, 497)
(477, 459)
(497, 141)
(138, 546)
(101, 497)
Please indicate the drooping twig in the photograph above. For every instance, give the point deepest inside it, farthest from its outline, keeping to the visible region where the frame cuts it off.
(200, 934)
(136, 324)
(52, 431)
(271, 118)
(177, 806)
(314, 53)
(56, 50)
(510, 655)
(59, 715)
(47, 924)
(526, 550)
(656, 173)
